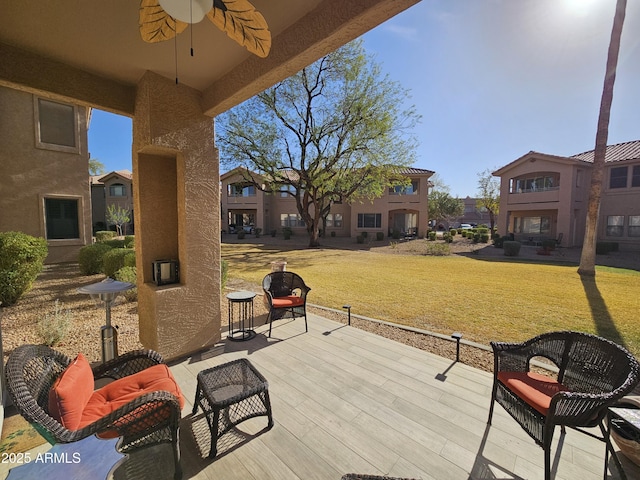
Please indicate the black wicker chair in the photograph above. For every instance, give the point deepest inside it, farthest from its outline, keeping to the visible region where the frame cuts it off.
(285, 292)
(593, 374)
(148, 419)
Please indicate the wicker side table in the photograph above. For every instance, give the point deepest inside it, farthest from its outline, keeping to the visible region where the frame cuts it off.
(229, 394)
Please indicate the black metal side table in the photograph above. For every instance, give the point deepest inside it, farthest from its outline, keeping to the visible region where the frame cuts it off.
(241, 312)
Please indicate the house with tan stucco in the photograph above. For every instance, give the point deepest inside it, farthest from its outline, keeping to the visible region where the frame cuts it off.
(546, 196)
(403, 208)
(113, 188)
(44, 172)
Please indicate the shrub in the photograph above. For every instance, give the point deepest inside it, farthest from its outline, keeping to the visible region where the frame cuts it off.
(274, 232)
(104, 235)
(90, 258)
(511, 249)
(476, 237)
(129, 241)
(438, 249)
(364, 234)
(432, 236)
(447, 237)
(241, 235)
(499, 241)
(113, 260)
(395, 234)
(379, 236)
(257, 232)
(360, 238)
(21, 260)
(484, 237)
(128, 274)
(287, 232)
(603, 248)
(115, 243)
(453, 232)
(224, 274)
(53, 327)
(130, 259)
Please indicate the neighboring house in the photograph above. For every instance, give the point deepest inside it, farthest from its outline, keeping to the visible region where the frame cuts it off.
(545, 196)
(473, 214)
(44, 172)
(401, 208)
(113, 188)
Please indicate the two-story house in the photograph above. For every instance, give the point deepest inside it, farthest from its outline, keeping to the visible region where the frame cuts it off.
(113, 188)
(44, 171)
(546, 196)
(402, 208)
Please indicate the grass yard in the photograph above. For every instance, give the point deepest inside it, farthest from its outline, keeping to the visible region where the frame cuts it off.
(484, 299)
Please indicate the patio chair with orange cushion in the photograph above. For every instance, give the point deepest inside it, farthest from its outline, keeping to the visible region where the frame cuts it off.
(285, 292)
(593, 374)
(141, 403)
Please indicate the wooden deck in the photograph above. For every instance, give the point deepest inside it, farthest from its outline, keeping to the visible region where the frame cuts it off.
(348, 401)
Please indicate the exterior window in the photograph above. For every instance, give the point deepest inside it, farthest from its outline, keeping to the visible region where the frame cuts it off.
(411, 189)
(615, 225)
(61, 216)
(538, 183)
(618, 177)
(287, 190)
(291, 220)
(117, 190)
(369, 220)
(241, 190)
(635, 177)
(533, 225)
(56, 126)
(334, 220)
(634, 225)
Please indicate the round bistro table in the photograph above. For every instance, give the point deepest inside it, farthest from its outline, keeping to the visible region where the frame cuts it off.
(241, 313)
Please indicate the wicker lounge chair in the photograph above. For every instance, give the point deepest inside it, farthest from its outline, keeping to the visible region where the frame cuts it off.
(141, 421)
(285, 292)
(593, 374)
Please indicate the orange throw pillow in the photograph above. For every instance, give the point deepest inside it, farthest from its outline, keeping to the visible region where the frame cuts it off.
(70, 393)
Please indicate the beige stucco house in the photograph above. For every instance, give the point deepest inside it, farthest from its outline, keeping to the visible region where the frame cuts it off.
(94, 56)
(113, 188)
(545, 196)
(44, 173)
(403, 208)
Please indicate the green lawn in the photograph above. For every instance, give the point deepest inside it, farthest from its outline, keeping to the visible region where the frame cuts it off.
(486, 300)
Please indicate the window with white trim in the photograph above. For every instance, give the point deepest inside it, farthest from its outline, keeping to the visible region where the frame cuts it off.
(369, 220)
(615, 225)
(334, 220)
(291, 220)
(634, 225)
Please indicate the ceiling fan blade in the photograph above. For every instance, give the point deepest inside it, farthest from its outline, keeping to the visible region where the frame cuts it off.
(156, 25)
(242, 23)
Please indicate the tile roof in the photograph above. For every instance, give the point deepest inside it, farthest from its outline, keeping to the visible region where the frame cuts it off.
(615, 153)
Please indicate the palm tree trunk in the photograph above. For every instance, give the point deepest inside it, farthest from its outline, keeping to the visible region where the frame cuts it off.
(588, 255)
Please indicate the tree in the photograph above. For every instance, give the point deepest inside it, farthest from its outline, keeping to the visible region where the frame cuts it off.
(334, 132)
(588, 254)
(442, 206)
(118, 216)
(489, 194)
(96, 167)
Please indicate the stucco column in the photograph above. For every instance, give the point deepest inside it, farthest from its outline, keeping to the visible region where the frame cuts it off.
(177, 216)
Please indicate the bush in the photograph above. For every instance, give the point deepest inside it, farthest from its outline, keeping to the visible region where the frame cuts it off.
(438, 249)
(364, 234)
(274, 232)
(129, 241)
(21, 260)
(224, 274)
(603, 248)
(130, 259)
(484, 237)
(360, 238)
(511, 249)
(395, 234)
(90, 258)
(53, 327)
(257, 232)
(476, 237)
(432, 236)
(128, 274)
(453, 232)
(287, 232)
(104, 235)
(115, 243)
(379, 236)
(447, 237)
(113, 260)
(499, 241)
(241, 235)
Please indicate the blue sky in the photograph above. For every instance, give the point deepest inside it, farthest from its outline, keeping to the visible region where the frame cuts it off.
(492, 79)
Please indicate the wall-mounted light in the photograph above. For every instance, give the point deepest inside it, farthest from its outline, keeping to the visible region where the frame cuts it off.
(165, 272)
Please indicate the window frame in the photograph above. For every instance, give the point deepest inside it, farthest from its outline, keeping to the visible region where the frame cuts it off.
(362, 220)
(80, 240)
(618, 178)
(635, 176)
(123, 188)
(614, 230)
(633, 227)
(38, 129)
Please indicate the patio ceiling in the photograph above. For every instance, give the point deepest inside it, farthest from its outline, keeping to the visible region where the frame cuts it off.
(93, 53)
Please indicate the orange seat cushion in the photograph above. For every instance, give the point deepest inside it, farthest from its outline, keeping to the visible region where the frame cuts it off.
(122, 391)
(535, 389)
(288, 302)
(70, 393)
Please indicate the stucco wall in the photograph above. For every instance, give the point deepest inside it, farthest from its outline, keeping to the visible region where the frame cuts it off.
(29, 174)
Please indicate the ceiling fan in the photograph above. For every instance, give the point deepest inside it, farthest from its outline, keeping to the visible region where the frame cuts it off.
(163, 19)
